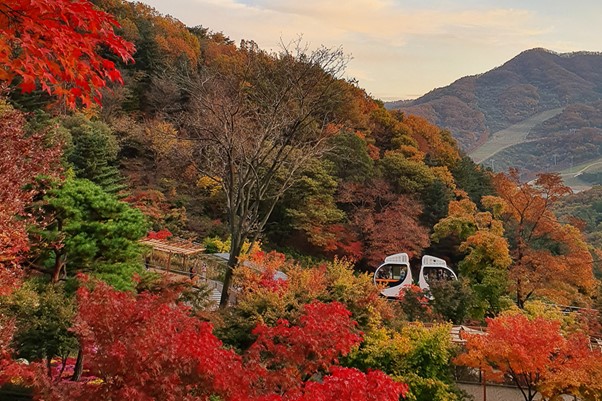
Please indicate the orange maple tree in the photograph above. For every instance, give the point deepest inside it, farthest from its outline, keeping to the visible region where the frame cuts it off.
(533, 353)
(549, 259)
(432, 140)
(481, 235)
(55, 45)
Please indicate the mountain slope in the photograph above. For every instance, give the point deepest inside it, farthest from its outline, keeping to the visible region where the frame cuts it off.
(473, 108)
(511, 136)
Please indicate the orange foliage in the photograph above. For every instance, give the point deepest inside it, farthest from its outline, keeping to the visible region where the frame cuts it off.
(257, 278)
(175, 42)
(534, 354)
(216, 47)
(432, 140)
(550, 259)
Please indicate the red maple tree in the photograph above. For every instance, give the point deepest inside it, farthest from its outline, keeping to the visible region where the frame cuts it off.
(289, 354)
(161, 234)
(23, 157)
(149, 347)
(54, 45)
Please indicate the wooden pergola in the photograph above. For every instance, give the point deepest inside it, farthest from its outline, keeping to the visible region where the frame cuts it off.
(163, 251)
(178, 246)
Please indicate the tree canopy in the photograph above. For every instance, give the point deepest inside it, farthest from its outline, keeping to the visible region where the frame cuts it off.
(54, 46)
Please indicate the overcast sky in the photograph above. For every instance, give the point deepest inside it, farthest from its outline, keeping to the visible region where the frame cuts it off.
(402, 49)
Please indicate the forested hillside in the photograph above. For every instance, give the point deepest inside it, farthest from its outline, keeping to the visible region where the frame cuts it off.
(373, 168)
(474, 108)
(128, 125)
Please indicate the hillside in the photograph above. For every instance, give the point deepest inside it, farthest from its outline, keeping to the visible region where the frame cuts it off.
(133, 146)
(477, 107)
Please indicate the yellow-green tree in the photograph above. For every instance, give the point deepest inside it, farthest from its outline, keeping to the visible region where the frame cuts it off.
(417, 355)
(487, 255)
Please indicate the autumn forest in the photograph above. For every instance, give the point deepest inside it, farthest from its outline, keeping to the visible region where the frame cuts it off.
(120, 125)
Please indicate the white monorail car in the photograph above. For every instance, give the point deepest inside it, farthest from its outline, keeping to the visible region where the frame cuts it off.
(395, 273)
(434, 269)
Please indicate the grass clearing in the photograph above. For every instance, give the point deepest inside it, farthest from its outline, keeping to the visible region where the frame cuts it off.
(513, 135)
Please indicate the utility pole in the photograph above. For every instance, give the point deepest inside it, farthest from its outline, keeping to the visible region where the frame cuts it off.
(484, 385)
(572, 157)
(492, 166)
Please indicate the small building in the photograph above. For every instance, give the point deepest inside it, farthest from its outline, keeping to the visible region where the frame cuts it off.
(187, 260)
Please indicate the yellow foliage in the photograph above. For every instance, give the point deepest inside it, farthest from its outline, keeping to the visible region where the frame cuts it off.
(495, 203)
(262, 298)
(211, 185)
(162, 137)
(534, 309)
(443, 174)
(486, 248)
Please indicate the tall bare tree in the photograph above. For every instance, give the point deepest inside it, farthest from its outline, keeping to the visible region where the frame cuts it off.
(254, 120)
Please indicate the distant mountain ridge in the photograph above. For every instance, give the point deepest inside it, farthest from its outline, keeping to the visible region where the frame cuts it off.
(475, 107)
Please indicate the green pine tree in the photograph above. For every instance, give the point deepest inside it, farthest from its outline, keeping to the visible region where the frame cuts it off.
(94, 153)
(91, 231)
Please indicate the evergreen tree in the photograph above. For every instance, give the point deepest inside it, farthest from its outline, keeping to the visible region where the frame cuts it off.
(350, 158)
(94, 153)
(87, 229)
(473, 179)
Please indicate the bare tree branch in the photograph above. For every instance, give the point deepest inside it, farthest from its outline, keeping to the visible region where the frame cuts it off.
(255, 121)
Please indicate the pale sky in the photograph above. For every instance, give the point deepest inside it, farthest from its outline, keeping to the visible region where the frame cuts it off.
(402, 49)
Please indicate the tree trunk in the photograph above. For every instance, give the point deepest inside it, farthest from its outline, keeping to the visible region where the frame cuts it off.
(223, 302)
(63, 365)
(79, 365)
(519, 294)
(235, 249)
(58, 266)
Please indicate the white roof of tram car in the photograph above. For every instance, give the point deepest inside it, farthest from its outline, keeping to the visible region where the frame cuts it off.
(397, 259)
(431, 261)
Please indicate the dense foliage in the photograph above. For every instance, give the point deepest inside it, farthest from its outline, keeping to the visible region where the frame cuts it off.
(21, 159)
(87, 229)
(194, 145)
(53, 46)
(536, 356)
